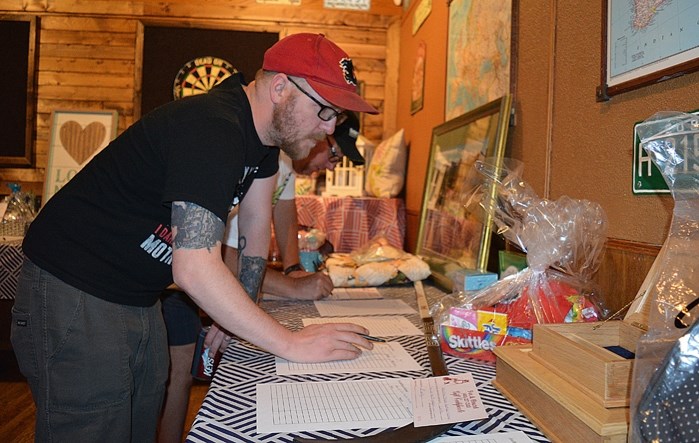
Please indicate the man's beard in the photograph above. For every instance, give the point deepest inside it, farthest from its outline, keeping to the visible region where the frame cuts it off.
(285, 132)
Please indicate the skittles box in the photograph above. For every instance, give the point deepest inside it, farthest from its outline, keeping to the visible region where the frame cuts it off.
(475, 333)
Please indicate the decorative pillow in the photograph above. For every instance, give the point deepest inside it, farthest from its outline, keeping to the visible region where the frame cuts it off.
(386, 173)
(366, 148)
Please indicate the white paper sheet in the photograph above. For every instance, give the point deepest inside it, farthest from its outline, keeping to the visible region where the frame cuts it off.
(447, 399)
(383, 326)
(336, 405)
(500, 437)
(337, 294)
(348, 308)
(384, 357)
(355, 294)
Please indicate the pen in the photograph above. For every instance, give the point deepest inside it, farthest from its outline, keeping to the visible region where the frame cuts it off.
(370, 338)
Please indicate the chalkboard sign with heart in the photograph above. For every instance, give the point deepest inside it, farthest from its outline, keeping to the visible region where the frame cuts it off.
(79, 142)
(76, 137)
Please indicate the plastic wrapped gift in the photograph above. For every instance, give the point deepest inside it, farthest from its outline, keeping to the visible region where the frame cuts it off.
(665, 385)
(563, 240)
(19, 212)
(311, 240)
(376, 263)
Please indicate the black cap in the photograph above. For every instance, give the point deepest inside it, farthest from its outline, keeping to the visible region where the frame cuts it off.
(346, 137)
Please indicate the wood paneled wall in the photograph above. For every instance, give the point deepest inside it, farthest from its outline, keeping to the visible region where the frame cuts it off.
(90, 53)
(622, 271)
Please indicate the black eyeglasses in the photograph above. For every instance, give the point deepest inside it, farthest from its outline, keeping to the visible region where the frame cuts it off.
(326, 113)
(334, 156)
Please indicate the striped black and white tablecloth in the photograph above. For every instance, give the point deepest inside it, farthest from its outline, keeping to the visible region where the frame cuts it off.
(228, 411)
(10, 264)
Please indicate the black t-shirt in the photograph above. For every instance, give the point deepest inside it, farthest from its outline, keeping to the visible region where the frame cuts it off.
(107, 231)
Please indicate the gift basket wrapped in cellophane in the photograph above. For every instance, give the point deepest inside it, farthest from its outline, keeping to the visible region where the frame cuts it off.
(19, 212)
(563, 241)
(665, 380)
(376, 263)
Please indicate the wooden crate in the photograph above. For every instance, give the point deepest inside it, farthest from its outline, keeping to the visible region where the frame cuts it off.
(560, 410)
(576, 352)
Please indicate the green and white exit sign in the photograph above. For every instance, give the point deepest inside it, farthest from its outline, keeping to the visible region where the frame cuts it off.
(647, 178)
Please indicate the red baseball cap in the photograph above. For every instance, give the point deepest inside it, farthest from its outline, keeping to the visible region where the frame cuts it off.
(327, 68)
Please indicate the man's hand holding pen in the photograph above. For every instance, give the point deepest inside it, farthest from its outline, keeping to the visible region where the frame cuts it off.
(370, 338)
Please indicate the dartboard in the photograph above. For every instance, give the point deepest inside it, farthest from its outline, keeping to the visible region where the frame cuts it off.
(198, 76)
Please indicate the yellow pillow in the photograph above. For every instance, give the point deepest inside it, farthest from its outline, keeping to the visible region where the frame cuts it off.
(386, 173)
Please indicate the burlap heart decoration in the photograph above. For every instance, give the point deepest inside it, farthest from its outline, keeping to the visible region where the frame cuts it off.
(82, 143)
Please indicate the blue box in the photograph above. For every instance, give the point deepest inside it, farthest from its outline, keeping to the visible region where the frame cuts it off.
(472, 280)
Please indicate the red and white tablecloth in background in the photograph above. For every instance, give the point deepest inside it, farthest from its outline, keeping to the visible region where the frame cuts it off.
(350, 222)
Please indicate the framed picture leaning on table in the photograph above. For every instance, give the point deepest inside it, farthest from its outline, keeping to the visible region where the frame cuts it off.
(452, 234)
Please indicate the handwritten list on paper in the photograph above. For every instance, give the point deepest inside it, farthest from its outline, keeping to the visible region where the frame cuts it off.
(336, 405)
(381, 326)
(367, 404)
(448, 399)
(355, 294)
(384, 357)
(344, 308)
(336, 294)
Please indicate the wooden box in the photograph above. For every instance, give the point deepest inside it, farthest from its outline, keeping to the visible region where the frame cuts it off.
(560, 410)
(576, 353)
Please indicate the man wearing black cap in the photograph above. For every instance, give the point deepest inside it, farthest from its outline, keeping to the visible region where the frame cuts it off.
(325, 155)
(150, 210)
(343, 143)
(182, 318)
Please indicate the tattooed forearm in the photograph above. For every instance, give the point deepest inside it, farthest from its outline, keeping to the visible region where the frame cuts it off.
(252, 271)
(242, 243)
(195, 227)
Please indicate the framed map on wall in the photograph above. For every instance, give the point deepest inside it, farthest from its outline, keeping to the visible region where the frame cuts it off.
(480, 53)
(646, 42)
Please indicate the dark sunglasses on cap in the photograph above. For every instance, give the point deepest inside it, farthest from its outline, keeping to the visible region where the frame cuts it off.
(334, 156)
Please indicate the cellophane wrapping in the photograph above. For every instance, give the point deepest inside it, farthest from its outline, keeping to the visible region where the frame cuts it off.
(665, 380)
(311, 240)
(20, 212)
(563, 241)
